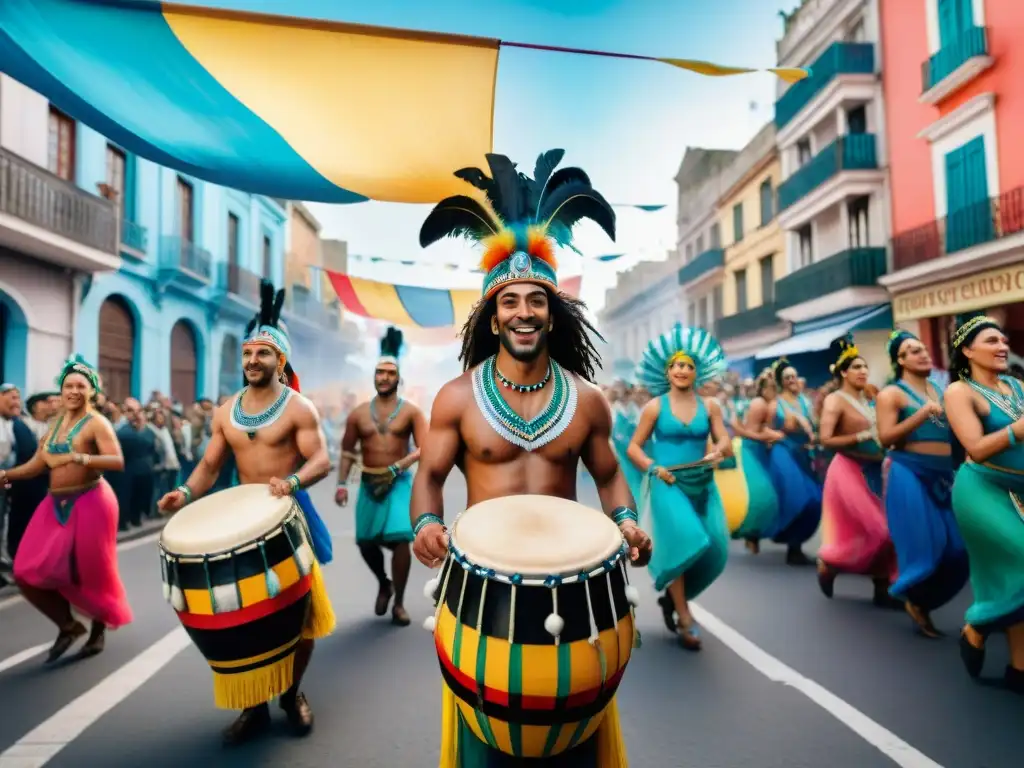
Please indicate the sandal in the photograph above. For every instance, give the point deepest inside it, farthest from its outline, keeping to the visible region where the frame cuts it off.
(971, 655)
(383, 598)
(96, 643)
(69, 633)
(922, 621)
(400, 617)
(689, 635)
(826, 579)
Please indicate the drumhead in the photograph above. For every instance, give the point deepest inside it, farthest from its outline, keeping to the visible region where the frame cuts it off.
(535, 535)
(224, 520)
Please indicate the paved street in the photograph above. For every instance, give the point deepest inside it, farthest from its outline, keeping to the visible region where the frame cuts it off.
(787, 679)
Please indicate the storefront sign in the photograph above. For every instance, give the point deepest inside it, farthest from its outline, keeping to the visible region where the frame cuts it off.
(986, 289)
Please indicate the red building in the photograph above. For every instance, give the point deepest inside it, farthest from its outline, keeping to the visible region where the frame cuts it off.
(953, 82)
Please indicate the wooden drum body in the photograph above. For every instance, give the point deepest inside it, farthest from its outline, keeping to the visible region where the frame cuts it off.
(534, 623)
(237, 568)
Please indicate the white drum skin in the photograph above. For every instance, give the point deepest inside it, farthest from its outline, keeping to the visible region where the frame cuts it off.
(224, 520)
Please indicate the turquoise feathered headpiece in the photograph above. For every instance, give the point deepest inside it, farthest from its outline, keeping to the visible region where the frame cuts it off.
(696, 343)
(77, 364)
(521, 220)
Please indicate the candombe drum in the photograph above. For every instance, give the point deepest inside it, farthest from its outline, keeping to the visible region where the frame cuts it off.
(534, 621)
(238, 568)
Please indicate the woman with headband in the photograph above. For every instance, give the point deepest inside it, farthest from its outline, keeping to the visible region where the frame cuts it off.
(791, 465)
(918, 483)
(855, 536)
(985, 409)
(679, 497)
(68, 556)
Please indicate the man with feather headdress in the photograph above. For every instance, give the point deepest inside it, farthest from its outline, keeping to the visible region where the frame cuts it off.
(525, 411)
(274, 435)
(381, 429)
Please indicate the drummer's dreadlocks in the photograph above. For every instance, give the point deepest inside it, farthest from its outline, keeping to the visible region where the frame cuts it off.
(569, 342)
(520, 222)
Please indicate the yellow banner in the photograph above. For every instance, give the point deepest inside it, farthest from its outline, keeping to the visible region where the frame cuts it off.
(981, 291)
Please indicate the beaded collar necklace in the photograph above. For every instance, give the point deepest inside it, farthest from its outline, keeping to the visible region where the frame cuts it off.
(382, 426)
(250, 423)
(1012, 405)
(55, 446)
(508, 383)
(510, 426)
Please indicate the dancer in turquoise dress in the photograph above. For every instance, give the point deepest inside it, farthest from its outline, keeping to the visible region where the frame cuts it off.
(791, 465)
(758, 435)
(679, 500)
(930, 552)
(985, 409)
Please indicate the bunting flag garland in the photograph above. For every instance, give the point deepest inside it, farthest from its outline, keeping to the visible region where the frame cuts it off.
(453, 267)
(226, 96)
(410, 306)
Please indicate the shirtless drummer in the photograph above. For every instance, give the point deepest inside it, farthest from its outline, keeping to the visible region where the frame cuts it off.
(275, 436)
(381, 429)
(524, 413)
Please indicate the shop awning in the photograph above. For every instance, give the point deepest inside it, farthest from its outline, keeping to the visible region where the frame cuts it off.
(814, 336)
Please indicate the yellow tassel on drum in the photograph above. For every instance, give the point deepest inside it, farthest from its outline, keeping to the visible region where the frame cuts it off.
(243, 690)
(321, 619)
(449, 729)
(611, 749)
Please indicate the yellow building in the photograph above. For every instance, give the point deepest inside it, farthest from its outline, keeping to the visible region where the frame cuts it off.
(755, 256)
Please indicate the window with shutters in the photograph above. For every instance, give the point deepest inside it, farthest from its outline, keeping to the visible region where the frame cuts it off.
(117, 175)
(955, 17)
(716, 235)
(805, 255)
(767, 196)
(968, 210)
(857, 212)
(768, 279)
(737, 222)
(186, 211)
(61, 145)
(268, 259)
(741, 290)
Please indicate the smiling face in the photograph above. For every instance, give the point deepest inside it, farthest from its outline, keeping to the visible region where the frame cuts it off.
(682, 373)
(385, 379)
(75, 392)
(260, 364)
(913, 357)
(857, 374)
(791, 380)
(990, 350)
(522, 320)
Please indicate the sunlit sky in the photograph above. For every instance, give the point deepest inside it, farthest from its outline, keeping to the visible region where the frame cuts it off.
(626, 123)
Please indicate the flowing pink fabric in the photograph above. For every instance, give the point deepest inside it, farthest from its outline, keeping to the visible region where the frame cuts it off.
(79, 558)
(854, 531)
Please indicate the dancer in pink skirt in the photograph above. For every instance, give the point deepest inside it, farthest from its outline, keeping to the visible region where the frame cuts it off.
(68, 556)
(855, 534)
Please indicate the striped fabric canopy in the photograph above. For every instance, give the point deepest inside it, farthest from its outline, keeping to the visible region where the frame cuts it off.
(233, 97)
(410, 306)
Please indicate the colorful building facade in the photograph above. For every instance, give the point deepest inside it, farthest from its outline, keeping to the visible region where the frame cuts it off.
(957, 165)
(755, 256)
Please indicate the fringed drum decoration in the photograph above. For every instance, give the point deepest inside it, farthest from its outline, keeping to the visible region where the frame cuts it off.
(535, 621)
(239, 570)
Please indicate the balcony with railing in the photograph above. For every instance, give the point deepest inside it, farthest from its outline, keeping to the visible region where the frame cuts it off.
(41, 199)
(852, 152)
(702, 264)
(239, 284)
(852, 268)
(184, 262)
(305, 306)
(838, 59)
(748, 321)
(955, 64)
(972, 225)
(134, 239)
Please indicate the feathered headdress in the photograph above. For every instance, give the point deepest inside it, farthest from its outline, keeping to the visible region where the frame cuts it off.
(778, 368)
(521, 220)
(390, 346)
(845, 351)
(696, 344)
(77, 364)
(266, 328)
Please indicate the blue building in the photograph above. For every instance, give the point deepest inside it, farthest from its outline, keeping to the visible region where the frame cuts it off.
(170, 319)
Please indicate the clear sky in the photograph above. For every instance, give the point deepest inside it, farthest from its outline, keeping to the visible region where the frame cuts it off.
(626, 123)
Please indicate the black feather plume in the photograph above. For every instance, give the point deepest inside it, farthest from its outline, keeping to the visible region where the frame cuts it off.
(457, 216)
(559, 179)
(574, 201)
(542, 170)
(481, 181)
(391, 343)
(510, 202)
(275, 312)
(266, 302)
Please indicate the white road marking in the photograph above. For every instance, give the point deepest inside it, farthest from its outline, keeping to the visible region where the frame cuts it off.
(882, 739)
(18, 658)
(40, 745)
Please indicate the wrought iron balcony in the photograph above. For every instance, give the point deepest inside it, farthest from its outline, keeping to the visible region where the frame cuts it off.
(746, 322)
(134, 238)
(240, 283)
(185, 261)
(852, 268)
(838, 59)
(702, 263)
(852, 152)
(972, 43)
(976, 224)
(304, 305)
(38, 197)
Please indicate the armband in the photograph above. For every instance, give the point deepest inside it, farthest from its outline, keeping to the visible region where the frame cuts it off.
(424, 520)
(624, 514)
(294, 482)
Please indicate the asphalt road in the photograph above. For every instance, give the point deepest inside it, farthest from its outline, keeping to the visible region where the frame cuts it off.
(787, 679)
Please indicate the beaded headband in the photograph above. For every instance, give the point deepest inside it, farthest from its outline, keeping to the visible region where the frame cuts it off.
(964, 330)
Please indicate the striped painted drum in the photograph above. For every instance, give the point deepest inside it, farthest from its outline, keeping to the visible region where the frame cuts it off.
(534, 623)
(238, 569)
